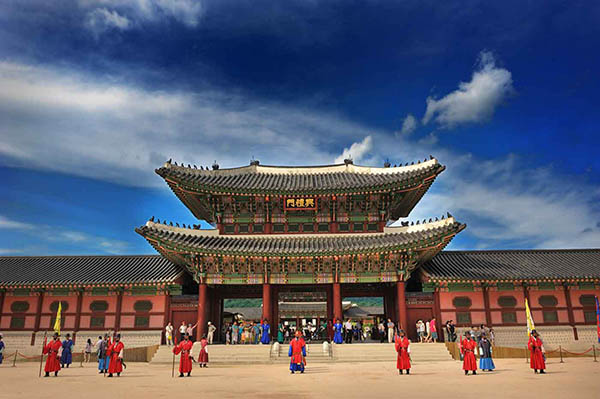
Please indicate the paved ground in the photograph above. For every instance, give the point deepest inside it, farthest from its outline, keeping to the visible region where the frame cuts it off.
(513, 379)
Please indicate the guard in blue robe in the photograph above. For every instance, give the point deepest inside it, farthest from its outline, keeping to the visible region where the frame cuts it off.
(103, 358)
(297, 353)
(485, 354)
(67, 354)
(337, 336)
(266, 338)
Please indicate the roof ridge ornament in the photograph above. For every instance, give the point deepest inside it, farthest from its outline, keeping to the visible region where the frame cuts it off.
(348, 161)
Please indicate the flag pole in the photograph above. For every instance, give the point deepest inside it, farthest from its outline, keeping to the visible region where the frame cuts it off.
(42, 354)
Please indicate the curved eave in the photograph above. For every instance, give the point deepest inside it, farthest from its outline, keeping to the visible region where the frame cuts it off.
(177, 242)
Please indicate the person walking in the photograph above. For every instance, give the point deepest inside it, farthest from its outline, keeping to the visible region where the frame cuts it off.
(203, 355)
(485, 354)
(536, 349)
(402, 346)
(211, 333)
(182, 331)
(115, 352)
(53, 349)
(185, 361)
(348, 331)
(280, 332)
(433, 330)
(169, 334)
(297, 353)
(87, 353)
(467, 349)
(337, 336)
(266, 329)
(390, 331)
(381, 331)
(422, 328)
(190, 330)
(428, 331)
(234, 333)
(67, 355)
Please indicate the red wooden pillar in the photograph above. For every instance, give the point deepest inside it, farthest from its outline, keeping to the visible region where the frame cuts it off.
(38, 315)
(274, 320)
(78, 313)
(119, 309)
(438, 314)
(570, 310)
(401, 305)
(337, 302)
(202, 309)
(266, 299)
(330, 303)
(486, 305)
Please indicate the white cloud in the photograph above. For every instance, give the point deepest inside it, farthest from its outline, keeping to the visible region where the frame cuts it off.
(57, 234)
(9, 224)
(356, 151)
(64, 121)
(120, 133)
(408, 125)
(103, 15)
(101, 20)
(10, 251)
(473, 101)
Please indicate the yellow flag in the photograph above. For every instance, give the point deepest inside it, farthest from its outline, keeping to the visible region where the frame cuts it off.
(530, 325)
(57, 322)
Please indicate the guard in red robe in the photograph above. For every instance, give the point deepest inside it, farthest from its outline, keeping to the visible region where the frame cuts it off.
(467, 349)
(403, 349)
(297, 353)
(185, 361)
(54, 350)
(536, 360)
(115, 354)
(203, 355)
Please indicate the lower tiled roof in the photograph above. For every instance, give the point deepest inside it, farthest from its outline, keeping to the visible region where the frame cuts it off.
(515, 265)
(299, 245)
(81, 270)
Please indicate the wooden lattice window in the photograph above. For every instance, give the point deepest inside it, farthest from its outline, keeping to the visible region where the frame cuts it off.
(587, 300)
(97, 321)
(463, 317)
(17, 322)
(19, 306)
(54, 306)
(323, 227)
(142, 306)
(550, 316)
(548, 301)
(509, 317)
(141, 321)
(462, 302)
(507, 301)
(99, 306)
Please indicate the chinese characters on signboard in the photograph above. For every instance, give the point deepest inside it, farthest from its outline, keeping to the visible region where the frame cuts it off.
(303, 203)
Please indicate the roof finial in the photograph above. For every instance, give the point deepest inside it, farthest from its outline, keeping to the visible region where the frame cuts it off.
(349, 161)
(449, 215)
(387, 163)
(254, 162)
(215, 165)
(152, 219)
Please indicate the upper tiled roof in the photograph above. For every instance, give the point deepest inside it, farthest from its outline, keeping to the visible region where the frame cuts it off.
(282, 180)
(514, 265)
(82, 270)
(300, 244)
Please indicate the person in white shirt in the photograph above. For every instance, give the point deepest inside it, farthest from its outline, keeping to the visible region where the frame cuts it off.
(182, 331)
(390, 330)
(348, 328)
(169, 334)
(428, 330)
(211, 333)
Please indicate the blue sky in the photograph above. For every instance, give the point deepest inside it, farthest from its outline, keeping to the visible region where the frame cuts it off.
(94, 95)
